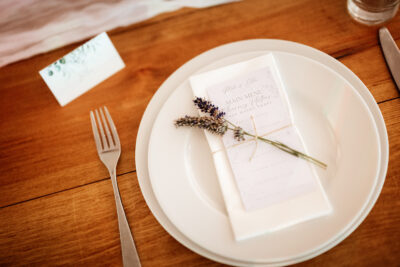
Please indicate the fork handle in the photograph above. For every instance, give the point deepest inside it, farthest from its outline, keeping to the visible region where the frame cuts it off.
(130, 256)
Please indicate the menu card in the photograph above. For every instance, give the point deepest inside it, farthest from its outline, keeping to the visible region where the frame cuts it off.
(264, 188)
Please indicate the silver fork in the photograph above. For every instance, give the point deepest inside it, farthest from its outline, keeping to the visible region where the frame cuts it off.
(109, 150)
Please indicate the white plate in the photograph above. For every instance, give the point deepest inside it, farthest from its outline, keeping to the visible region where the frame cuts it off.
(337, 128)
(277, 248)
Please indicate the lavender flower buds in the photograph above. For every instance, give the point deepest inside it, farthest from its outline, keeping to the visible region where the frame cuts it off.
(208, 107)
(211, 124)
(238, 134)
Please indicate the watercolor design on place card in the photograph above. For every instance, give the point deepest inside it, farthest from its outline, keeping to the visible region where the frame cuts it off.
(82, 69)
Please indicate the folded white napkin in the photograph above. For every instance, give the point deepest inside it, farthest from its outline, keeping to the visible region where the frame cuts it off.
(273, 190)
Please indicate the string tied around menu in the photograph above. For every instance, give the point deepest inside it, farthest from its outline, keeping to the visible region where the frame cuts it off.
(255, 137)
(216, 123)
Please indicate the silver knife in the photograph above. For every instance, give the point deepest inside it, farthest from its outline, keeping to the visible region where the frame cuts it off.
(392, 54)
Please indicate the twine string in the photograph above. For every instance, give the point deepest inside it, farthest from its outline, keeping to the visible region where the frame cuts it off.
(255, 139)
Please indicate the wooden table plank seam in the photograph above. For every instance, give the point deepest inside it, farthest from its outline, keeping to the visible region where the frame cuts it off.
(388, 100)
(65, 190)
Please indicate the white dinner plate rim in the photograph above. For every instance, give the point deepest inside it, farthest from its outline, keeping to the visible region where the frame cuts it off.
(262, 44)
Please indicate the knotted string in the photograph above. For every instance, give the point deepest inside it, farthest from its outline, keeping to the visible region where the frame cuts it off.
(255, 139)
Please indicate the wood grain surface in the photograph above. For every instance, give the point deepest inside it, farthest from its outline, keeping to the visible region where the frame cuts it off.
(56, 202)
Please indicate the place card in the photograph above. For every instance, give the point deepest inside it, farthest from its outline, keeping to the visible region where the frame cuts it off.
(264, 188)
(82, 69)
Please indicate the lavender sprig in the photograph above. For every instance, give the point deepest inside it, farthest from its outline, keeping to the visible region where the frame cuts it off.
(216, 124)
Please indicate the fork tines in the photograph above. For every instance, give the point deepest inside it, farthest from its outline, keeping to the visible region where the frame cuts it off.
(106, 139)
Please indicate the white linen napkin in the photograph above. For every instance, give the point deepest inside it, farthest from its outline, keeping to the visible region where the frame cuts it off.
(273, 190)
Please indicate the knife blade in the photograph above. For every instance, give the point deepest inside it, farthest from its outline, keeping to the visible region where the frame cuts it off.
(391, 53)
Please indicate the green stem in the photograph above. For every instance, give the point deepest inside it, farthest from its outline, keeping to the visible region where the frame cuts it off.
(284, 147)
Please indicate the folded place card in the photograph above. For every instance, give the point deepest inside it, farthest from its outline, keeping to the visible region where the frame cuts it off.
(82, 69)
(264, 188)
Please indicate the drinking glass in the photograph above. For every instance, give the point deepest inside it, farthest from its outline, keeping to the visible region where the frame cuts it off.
(372, 12)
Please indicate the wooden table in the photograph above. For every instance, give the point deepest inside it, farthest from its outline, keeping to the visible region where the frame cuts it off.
(56, 199)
